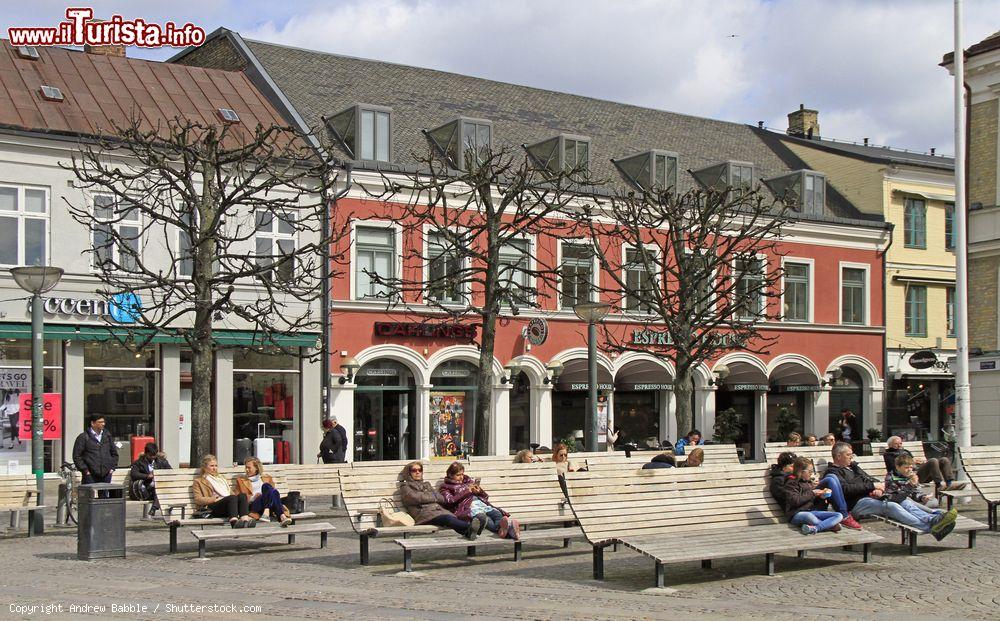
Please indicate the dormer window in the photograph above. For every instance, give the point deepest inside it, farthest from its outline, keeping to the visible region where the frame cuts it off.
(28, 52)
(563, 153)
(736, 175)
(364, 131)
(804, 190)
(649, 170)
(462, 138)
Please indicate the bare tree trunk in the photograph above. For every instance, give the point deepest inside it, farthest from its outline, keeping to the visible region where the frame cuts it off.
(484, 389)
(201, 403)
(683, 390)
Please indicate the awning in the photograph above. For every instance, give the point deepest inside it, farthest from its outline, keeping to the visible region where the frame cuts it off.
(923, 280)
(225, 338)
(947, 198)
(574, 377)
(793, 377)
(640, 375)
(744, 376)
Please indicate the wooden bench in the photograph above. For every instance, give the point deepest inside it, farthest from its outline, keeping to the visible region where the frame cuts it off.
(18, 493)
(322, 528)
(312, 480)
(982, 465)
(531, 493)
(120, 477)
(680, 514)
(176, 496)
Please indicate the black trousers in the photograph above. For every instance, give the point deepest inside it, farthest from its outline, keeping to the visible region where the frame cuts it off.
(232, 506)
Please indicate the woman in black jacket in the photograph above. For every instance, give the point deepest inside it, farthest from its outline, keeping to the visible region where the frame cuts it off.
(804, 503)
(778, 474)
(142, 484)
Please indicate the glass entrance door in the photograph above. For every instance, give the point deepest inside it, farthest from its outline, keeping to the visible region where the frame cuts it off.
(744, 404)
(383, 425)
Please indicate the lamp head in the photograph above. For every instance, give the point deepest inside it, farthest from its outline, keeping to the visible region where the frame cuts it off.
(349, 367)
(36, 279)
(512, 368)
(591, 312)
(722, 372)
(555, 369)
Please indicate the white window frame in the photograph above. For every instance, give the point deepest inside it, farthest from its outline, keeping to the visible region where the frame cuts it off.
(812, 288)
(429, 230)
(275, 236)
(713, 301)
(116, 224)
(21, 215)
(359, 133)
(397, 252)
(655, 250)
(531, 280)
(763, 296)
(927, 310)
(840, 291)
(595, 274)
(729, 172)
(949, 311)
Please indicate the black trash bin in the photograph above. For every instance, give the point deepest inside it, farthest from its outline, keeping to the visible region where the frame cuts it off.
(101, 521)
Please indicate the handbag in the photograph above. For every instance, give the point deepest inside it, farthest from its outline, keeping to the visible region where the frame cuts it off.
(389, 516)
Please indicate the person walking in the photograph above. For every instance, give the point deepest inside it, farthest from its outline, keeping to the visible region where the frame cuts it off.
(333, 448)
(94, 452)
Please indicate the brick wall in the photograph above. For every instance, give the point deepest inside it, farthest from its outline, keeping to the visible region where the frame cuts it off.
(983, 153)
(216, 54)
(983, 302)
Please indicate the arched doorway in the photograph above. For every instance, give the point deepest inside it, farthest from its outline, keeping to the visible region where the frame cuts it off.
(847, 393)
(739, 393)
(453, 408)
(384, 411)
(789, 400)
(520, 413)
(642, 388)
(570, 402)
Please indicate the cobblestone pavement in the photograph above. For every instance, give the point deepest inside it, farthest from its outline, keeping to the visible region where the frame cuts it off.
(303, 582)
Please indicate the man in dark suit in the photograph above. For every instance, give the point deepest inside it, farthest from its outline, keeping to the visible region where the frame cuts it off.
(333, 448)
(94, 452)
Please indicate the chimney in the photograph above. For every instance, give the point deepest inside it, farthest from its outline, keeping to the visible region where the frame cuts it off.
(866, 142)
(804, 123)
(105, 50)
(933, 151)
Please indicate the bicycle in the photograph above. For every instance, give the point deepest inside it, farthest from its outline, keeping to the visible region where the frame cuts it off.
(66, 507)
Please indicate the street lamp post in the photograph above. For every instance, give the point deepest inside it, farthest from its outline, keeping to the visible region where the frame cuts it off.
(37, 280)
(592, 313)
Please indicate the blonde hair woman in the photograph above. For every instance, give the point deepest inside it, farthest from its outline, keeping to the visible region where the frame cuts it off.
(213, 492)
(261, 491)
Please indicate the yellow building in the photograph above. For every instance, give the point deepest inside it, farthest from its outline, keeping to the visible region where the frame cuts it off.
(915, 192)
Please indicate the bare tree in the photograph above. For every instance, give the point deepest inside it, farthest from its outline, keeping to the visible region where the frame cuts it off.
(692, 269)
(477, 233)
(209, 226)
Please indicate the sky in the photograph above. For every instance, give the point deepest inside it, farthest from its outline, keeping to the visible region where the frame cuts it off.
(870, 67)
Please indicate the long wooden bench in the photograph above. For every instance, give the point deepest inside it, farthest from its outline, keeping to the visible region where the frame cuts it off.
(982, 465)
(312, 480)
(120, 477)
(176, 496)
(204, 536)
(680, 514)
(18, 493)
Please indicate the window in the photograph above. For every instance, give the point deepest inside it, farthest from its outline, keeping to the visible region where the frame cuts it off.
(916, 310)
(51, 93)
(577, 274)
(375, 259)
(949, 226)
(640, 280)
(653, 169)
(852, 295)
(275, 240)
(749, 275)
(514, 271)
(229, 115)
(364, 131)
(28, 52)
(564, 153)
(444, 267)
(463, 137)
(185, 247)
(950, 310)
(813, 196)
(24, 224)
(915, 223)
(796, 294)
(117, 232)
(804, 190)
(738, 175)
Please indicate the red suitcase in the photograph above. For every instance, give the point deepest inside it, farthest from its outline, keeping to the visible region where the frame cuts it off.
(139, 442)
(284, 450)
(268, 396)
(289, 408)
(279, 409)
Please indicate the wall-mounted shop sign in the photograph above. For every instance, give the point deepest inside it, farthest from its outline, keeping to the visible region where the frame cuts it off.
(651, 337)
(120, 308)
(453, 373)
(987, 365)
(584, 386)
(797, 388)
(923, 359)
(625, 387)
(381, 372)
(748, 387)
(454, 331)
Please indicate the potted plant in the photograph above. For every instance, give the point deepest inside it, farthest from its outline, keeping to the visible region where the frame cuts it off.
(786, 423)
(874, 434)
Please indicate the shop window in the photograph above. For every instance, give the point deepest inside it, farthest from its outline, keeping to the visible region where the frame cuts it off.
(375, 264)
(276, 243)
(916, 310)
(15, 380)
(265, 392)
(385, 409)
(853, 300)
(576, 274)
(795, 298)
(24, 225)
(520, 414)
(452, 408)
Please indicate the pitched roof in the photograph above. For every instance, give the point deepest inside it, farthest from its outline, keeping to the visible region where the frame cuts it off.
(872, 153)
(101, 91)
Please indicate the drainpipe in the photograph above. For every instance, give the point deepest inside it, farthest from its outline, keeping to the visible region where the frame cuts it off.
(325, 277)
(885, 337)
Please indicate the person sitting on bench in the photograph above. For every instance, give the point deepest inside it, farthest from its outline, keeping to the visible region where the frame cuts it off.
(261, 491)
(663, 460)
(213, 493)
(526, 456)
(829, 439)
(694, 459)
(426, 505)
(805, 503)
(936, 469)
(143, 482)
(847, 482)
(811, 440)
(466, 498)
(902, 485)
(794, 439)
(693, 438)
(560, 457)
(777, 475)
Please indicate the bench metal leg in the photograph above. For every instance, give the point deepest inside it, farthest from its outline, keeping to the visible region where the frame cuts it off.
(706, 563)
(992, 513)
(615, 547)
(598, 562)
(364, 550)
(951, 500)
(173, 538)
(802, 553)
(13, 519)
(972, 539)
(913, 543)
(201, 548)
(769, 564)
(660, 581)
(470, 550)
(407, 560)
(322, 539)
(902, 536)
(566, 542)
(866, 552)
(291, 539)
(517, 551)
(34, 524)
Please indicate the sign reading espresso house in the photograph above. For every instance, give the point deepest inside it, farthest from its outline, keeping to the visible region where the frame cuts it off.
(748, 387)
(797, 388)
(454, 331)
(626, 387)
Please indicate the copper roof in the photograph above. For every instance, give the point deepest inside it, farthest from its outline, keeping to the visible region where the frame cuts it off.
(102, 91)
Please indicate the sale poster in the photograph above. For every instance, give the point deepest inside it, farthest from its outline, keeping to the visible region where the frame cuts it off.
(51, 416)
(13, 383)
(447, 423)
